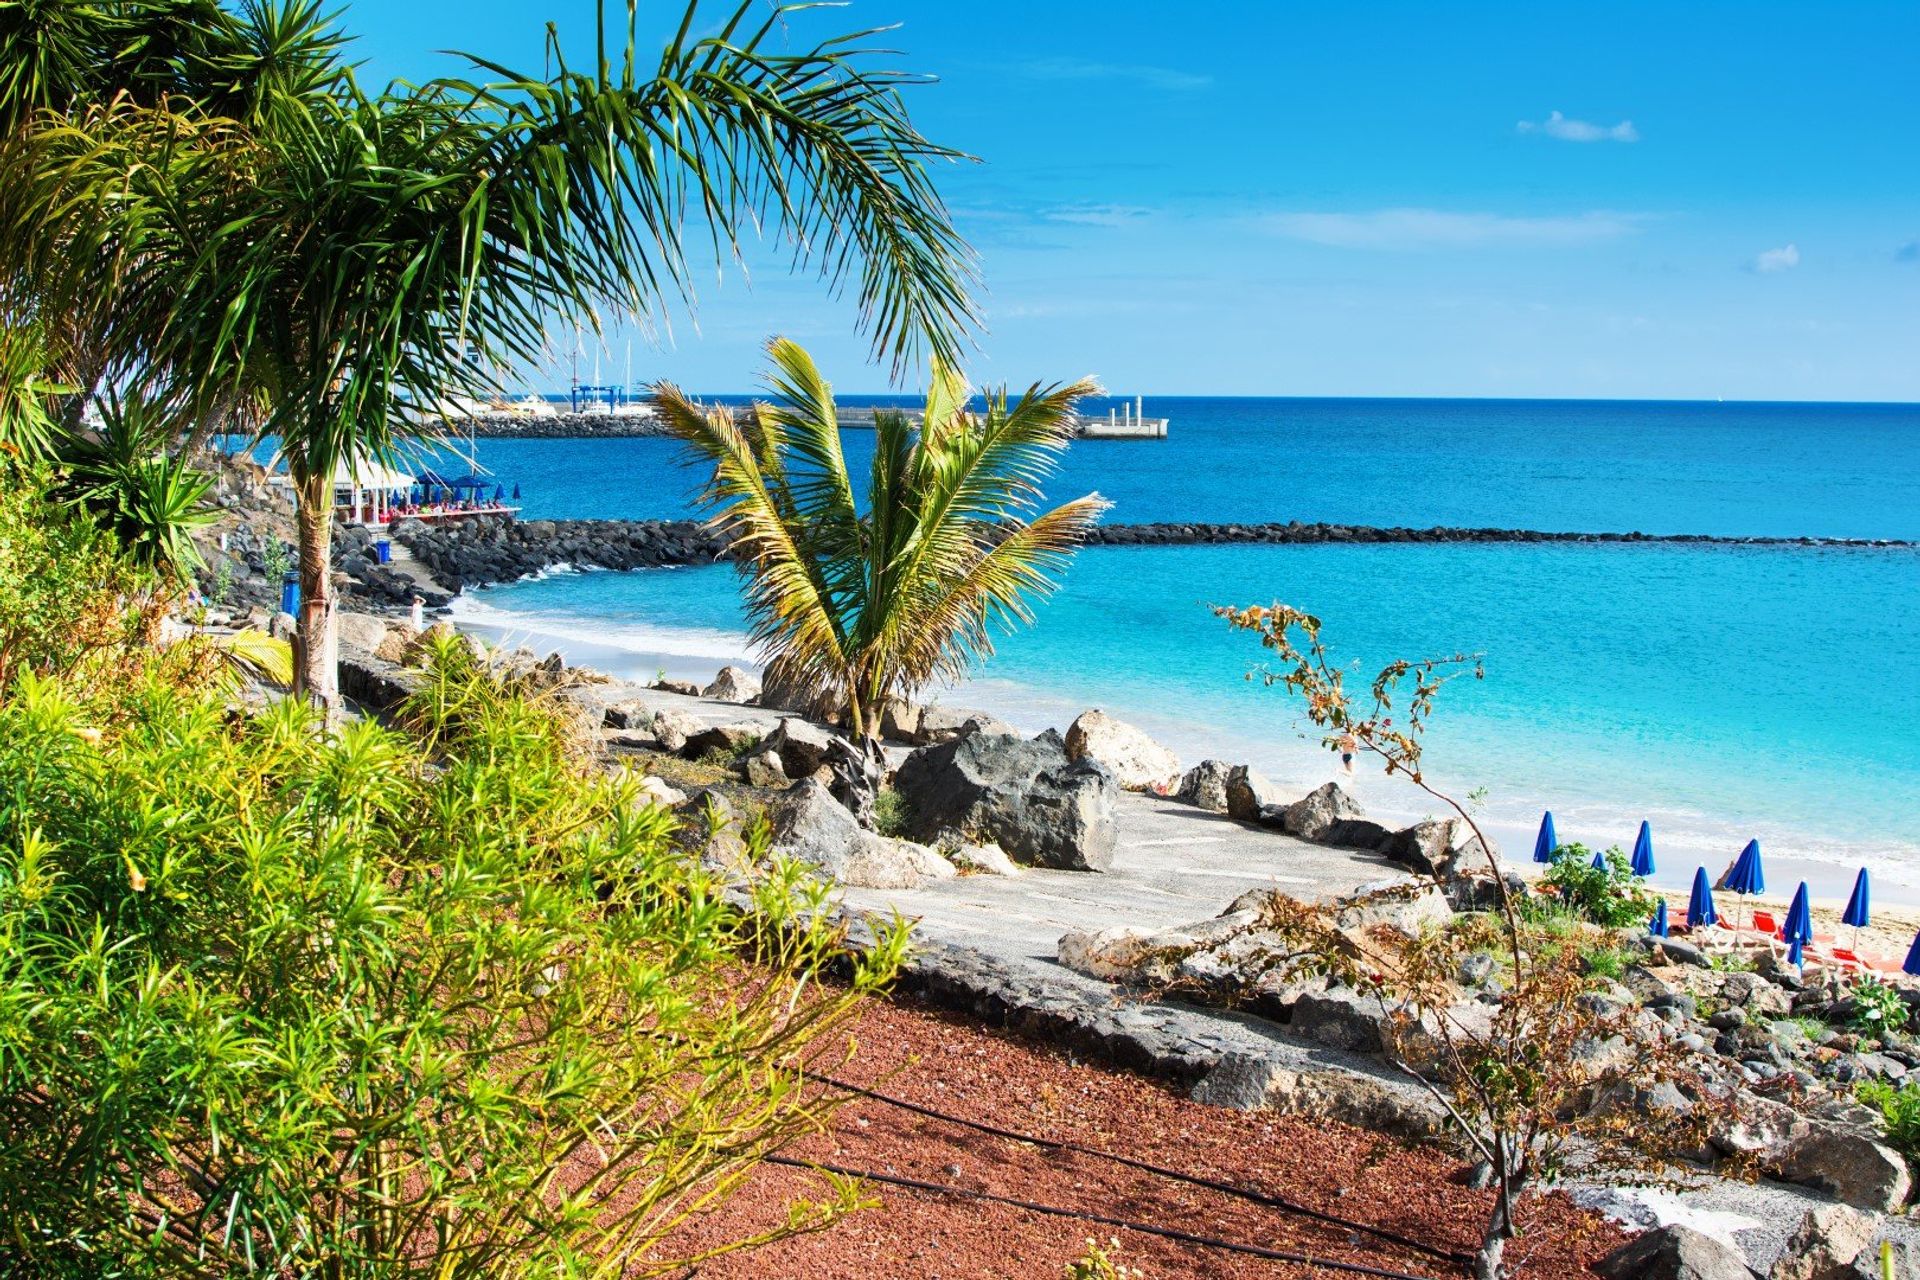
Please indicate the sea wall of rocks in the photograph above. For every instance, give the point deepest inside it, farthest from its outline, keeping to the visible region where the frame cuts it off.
(486, 550)
(490, 549)
(1295, 531)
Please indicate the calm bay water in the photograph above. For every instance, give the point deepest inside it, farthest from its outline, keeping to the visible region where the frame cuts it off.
(1721, 692)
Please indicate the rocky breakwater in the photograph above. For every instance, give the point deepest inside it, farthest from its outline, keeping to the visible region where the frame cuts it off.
(489, 549)
(1296, 531)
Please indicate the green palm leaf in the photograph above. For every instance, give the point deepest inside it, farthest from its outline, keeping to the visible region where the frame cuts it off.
(870, 604)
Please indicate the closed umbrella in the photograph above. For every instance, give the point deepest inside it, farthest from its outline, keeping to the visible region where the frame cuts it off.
(1798, 930)
(1747, 875)
(1547, 841)
(1599, 860)
(1859, 908)
(1700, 912)
(516, 491)
(499, 495)
(1913, 957)
(1643, 852)
(1658, 927)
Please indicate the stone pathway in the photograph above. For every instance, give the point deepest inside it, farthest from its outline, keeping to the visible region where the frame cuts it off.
(1173, 864)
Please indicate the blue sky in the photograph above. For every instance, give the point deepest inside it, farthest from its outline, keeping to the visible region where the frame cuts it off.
(1629, 200)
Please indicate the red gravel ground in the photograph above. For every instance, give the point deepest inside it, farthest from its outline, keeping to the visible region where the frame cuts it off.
(957, 1066)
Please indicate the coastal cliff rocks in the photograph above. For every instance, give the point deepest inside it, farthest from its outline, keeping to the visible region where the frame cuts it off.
(1023, 794)
(811, 826)
(1137, 762)
(1205, 786)
(733, 684)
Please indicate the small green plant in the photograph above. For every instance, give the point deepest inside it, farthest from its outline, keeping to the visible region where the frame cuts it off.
(1604, 962)
(892, 815)
(220, 588)
(277, 559)
(1608, 894)
(1732, 962)
(1100, 1263)
(1811, 1028)
(1899, 1109)
(1877, 1006)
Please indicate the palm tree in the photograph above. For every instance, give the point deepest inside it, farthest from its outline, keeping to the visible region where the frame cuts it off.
(333, 256)
(863, 604)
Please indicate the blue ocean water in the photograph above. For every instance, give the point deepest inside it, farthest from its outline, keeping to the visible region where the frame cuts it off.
(1721, 692)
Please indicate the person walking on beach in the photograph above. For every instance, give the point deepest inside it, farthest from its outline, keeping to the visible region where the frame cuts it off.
(1348, 746)
(418, 614)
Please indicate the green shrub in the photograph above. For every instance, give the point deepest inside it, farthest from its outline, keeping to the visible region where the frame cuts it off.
(892, 814)
(387, 1002)
(1603, 962)
(1899, 1110)
(1877, 1006)
(1608, 895)
(66, 592)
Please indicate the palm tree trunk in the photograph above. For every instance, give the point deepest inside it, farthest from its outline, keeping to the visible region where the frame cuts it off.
(314, 671)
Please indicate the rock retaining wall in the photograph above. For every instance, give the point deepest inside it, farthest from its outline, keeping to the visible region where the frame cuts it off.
(491, 549)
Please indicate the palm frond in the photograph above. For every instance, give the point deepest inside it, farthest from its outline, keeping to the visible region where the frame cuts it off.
(791, 607)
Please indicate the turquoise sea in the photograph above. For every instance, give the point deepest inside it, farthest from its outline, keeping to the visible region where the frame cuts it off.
(1721, 692)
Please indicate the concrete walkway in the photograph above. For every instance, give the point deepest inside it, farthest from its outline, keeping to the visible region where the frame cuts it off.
(1173, 864)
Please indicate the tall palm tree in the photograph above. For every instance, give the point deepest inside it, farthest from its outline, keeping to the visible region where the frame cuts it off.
(861, 604)
(334, 255)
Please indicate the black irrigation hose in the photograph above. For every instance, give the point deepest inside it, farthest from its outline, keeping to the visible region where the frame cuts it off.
(1211, 1184)
(1167, 1233)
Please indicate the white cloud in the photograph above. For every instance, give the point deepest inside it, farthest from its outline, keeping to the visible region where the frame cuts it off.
(1785, 258)
(1081, 69)
(1558, 126)
(1096, 215)
(1440, 229)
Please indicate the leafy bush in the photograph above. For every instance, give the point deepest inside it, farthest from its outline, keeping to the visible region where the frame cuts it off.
(1877, 1006)
(892, 814)
(1899, 1110)
(436, 1000)
(1603, 962)
(1608, 895)
(65, 589)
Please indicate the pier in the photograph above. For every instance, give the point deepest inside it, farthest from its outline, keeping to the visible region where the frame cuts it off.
(1118, 424)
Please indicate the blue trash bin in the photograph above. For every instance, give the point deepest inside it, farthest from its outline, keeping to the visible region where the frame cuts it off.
(383, 551)
(290, 594)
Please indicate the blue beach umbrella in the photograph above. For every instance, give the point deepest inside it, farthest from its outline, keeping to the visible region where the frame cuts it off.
(499, 494)
(1913, 957)
(516, 491)
(1798, 930)
(1747, 875)
(1599, 860)
(1643, 851)
(1658, 926)
(1700, 912)
(1859, 907)
(1547, 841)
